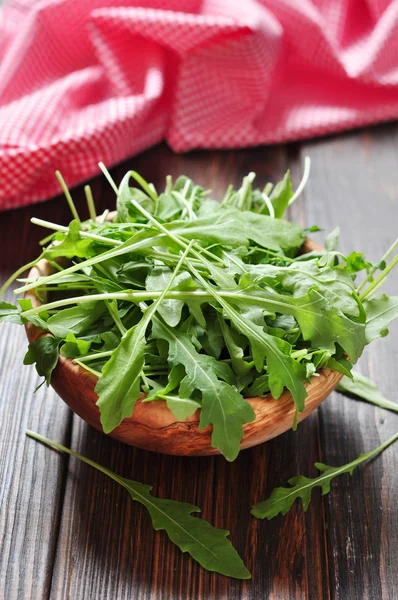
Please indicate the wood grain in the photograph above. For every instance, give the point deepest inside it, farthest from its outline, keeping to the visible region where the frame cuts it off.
(67, 532)
(355, 178)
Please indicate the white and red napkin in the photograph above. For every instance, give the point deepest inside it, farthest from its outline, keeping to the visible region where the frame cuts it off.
(89, 80)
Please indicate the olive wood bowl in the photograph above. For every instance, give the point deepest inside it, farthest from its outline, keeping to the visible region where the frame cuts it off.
(153, 426)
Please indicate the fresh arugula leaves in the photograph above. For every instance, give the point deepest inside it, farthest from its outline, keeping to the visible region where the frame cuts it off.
(364, 388)
(282, 499)
(44, 354)
(200, 304)
(206, 544)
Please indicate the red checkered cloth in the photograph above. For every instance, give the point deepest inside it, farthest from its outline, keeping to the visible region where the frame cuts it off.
(89, 80)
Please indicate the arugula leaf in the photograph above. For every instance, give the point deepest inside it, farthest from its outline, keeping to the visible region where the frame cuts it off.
(340, 365)
(118, 387)
(282, 499)
(182, 408)
(232, 228)
(335, 284)
(380, 312)
(75, 320)
(364, 388)
(10, 313)
(73, 245)
(281, 195)
(43, 352)
(170, 310)
(332, 240)
(283, 370)
(74, 347)
(222, 406)
(321, 324)
(206, 544)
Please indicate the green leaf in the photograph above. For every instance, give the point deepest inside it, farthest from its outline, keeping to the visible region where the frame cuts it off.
(364, 388)
(75, 320)
(222, 406)
(118, 387)
(232, 228)
(182, 408)
(340, 365)
(43, 352)
(206, 544)
(335, 284)
(281, 195)
(320, 323)
(332, 240)
(380, 312)
(169, 310)
(282, 499)
(73, 245)
(10, 313)
(240, 366)
(74, 347)
(283, 370)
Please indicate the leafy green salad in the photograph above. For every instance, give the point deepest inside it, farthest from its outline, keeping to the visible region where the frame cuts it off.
(200, 305)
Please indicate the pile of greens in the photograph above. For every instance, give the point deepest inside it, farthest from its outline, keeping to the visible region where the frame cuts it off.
(202, 304)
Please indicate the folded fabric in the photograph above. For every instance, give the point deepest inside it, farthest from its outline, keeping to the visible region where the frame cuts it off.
(89, 80)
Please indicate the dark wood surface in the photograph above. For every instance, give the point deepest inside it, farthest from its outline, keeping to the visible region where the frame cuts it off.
(68, 532)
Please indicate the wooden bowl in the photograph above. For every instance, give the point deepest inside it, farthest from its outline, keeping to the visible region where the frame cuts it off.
(153, 426)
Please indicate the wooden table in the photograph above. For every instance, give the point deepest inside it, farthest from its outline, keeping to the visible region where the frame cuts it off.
(66, 531)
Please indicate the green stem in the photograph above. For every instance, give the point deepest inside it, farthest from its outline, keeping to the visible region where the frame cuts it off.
(374, 269)
(19, 272)
(57, 446)
(84, 234)
(84, 366)
(137, 297)
(127, 247)
(95, 356)
(67, 196)
(90, 203)
(378, 279)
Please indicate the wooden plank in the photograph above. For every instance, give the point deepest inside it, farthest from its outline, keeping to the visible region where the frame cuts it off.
(354, 183)
(107, 548)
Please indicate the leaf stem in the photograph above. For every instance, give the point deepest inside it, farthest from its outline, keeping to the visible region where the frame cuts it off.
(85, 234)
(19, 272)
(384, 258)
(378, 279)
(56, 446)
(90, 203)
(68, 197)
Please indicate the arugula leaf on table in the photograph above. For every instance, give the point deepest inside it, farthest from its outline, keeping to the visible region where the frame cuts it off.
(282, 499)
(332, 240)
(364, 388)
(206, 544)
(380, 311)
